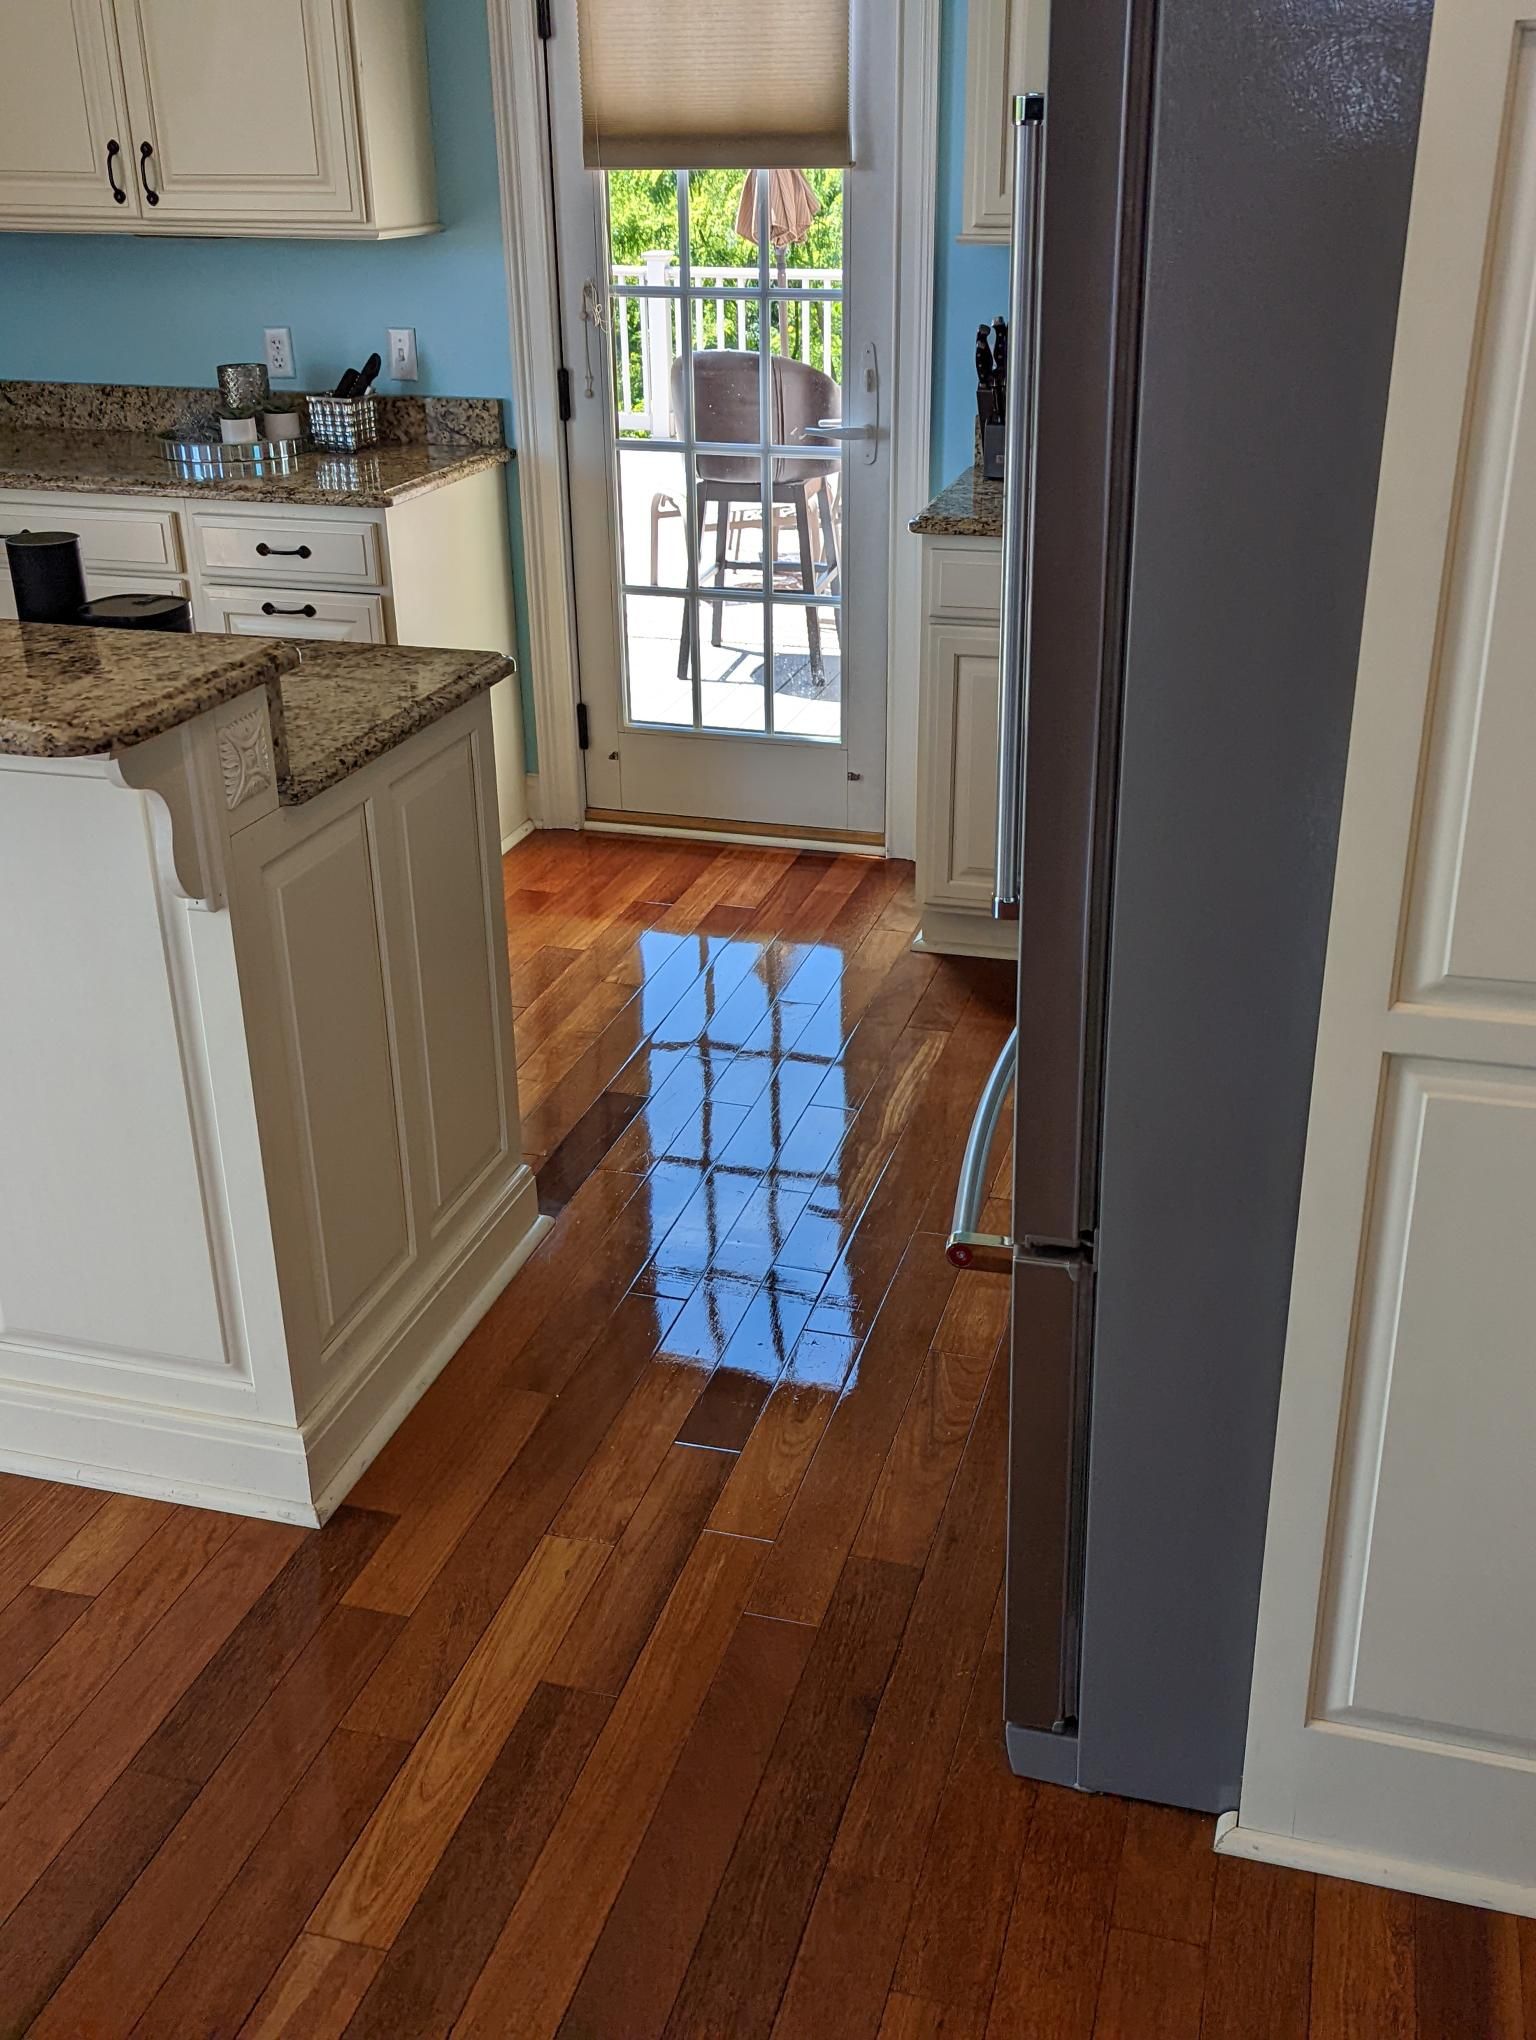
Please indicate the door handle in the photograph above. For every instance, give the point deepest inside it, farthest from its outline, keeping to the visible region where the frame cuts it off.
(869, 431)
(836, 429)
(146, 150)
(966, 1247)
(1018, 502)
(119, 196)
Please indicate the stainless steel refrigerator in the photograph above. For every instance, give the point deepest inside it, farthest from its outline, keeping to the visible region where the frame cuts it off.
(1210, 209)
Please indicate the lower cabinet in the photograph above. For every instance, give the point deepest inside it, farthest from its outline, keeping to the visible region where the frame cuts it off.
(957, 793)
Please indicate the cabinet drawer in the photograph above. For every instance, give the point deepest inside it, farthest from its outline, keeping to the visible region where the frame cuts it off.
(292, 613)
(965, 579)
(135, 539)
(341, 549)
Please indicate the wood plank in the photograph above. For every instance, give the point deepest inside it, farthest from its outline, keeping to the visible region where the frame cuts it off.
(114, 1981)
(39, 1531)
(1467, 1971)
(99, 1550)
(60, 1794)
(30, 1626)
(1048, 1980)
(954, 1941)
(387, 1870)
(62, 1684)
(415, 1548)
(773, 1463)
(453, 1926)
(648, 1939)
(1151, 1989)
(314, 1994)
(228, 1693)
(895, 1798)
(1362, 1963)
(538, 1959)
(621, 1469)
(67, 1907)
(744, 1955)
(839, 1985)
(244, 1939)
(457, 1608)
(920, 1467)
(799, 1579)
(599, 1649)
(1258, 1970)
(915, 2018)
(1167, 1880)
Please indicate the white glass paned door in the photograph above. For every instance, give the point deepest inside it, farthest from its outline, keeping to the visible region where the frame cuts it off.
(730, 555)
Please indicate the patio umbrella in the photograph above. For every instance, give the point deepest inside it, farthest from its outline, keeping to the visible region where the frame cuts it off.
(792, 205)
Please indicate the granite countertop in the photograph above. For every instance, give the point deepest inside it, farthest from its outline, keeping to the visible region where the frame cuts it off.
(346, 704)
(100, 439)
(131, 464)
(67, 692)
(971, 507)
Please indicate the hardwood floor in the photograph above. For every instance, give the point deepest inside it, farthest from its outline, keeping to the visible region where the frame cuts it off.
(648, 1685)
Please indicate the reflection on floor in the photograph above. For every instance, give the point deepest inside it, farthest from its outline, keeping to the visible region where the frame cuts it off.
(648, 1684)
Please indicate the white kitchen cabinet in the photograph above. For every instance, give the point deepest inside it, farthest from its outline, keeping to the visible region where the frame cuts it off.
(433, 570)
(957, 794)
(303, 117)
(63, 124)
(1007, 50)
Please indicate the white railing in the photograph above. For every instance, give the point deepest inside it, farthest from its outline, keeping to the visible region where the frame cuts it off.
(648, 330)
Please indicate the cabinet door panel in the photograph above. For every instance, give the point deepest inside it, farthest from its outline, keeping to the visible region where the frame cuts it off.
(60, 109)
(960, 741)
(292, 613)
(250, 113)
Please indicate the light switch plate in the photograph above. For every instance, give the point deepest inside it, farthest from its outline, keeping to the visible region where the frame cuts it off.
(279, 350)
(401, 358)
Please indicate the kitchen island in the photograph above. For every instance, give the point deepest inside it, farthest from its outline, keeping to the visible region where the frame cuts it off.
(261, 1169)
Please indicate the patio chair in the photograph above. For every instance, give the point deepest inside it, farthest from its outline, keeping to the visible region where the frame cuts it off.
(725, 401)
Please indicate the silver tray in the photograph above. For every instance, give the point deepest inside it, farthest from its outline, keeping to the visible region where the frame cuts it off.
(213, 459)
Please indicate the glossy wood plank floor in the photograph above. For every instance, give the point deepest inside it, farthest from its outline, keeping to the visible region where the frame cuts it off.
(648, 1684)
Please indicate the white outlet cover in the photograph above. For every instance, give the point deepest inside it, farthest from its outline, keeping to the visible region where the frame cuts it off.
(279, 350)
(401, 360)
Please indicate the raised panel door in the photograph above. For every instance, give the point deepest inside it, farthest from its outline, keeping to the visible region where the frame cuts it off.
(242, 114)
(64, 144)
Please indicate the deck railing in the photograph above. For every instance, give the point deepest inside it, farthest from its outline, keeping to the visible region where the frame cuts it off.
(647, 328)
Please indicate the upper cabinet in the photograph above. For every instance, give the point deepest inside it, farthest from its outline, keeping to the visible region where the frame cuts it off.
(1007, 49)
(302, 117)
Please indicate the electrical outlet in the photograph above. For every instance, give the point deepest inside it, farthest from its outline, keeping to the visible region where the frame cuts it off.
(279, 350)
(402, 354)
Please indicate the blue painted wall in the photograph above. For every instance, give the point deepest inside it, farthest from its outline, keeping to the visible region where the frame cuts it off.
(970, 281)
(99, 308)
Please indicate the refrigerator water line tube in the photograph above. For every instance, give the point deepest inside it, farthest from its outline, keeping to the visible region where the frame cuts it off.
(966, 1247)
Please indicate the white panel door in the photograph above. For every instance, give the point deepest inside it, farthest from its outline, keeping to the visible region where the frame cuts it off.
(241, 113)
(1393, 1726)
(64, 143)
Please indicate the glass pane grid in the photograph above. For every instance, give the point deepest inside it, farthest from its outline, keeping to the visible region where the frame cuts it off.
(730, 505)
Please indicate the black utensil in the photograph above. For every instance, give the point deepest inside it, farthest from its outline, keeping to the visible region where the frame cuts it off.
(364, 381)
(985, 366)
(1000, 363)
(347, 385)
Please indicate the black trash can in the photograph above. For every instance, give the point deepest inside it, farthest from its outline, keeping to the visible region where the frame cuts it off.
(136, 612)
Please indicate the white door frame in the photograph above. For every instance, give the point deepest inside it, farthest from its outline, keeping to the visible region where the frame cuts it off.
(527, 213)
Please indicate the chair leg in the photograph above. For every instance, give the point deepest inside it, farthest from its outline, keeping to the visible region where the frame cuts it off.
(808, 583)
(722, 534)
(827, 518)
(685, 644)
(655, 540)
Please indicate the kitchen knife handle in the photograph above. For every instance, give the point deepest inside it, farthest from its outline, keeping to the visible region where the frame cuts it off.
(119, 196)
(146, 150)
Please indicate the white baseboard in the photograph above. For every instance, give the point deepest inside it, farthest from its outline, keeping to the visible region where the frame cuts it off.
(273, 1470)
(949, 931)
(523, 829)
(744, 837)
(1362, 1866)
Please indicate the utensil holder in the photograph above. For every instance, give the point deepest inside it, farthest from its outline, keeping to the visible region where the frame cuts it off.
(343, 423)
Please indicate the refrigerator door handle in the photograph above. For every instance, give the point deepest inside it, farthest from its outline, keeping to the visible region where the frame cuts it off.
(1019, 499)
(966, 1247)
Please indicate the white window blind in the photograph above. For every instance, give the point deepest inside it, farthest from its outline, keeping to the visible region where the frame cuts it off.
(705, 84)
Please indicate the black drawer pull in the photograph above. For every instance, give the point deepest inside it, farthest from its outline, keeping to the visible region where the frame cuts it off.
(146, 150)
(283, 552)
(119, 196)
(271, 609)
